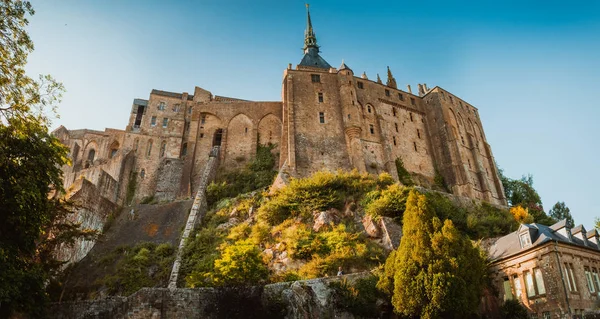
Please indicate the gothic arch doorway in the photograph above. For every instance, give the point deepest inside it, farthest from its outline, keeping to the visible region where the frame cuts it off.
(217, 137)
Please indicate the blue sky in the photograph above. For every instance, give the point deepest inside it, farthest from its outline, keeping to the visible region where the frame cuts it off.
(530, 67)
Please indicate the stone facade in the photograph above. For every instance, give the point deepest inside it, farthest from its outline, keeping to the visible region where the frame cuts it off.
(553, 271)
(328, 119)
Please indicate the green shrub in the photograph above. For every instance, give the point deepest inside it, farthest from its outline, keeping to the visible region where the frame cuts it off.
(240, 264)
(259, 173)
(514, 310)
(145, 265)
(199, 256)
(360, 298)
(403, 175)
(440, 182)
(391, 202)
(321, 191)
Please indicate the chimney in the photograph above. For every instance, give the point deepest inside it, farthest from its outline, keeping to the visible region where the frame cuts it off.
(408, 87)
(421, 89)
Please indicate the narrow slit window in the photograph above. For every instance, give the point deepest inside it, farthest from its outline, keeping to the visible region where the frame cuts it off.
(415, 146)
(321, 117)
(369, 108)
(411, 117)
(418, 133)
(396, 126)
(371, 129)
(394, 140)
(394, 111)
(320, 97)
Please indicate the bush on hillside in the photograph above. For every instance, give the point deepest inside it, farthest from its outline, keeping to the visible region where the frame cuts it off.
(258, 174)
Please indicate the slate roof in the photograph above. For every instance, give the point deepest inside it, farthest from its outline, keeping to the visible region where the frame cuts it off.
(540, 234)
(313, 59)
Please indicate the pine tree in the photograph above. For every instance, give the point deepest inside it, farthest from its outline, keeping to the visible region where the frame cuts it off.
(436, 272)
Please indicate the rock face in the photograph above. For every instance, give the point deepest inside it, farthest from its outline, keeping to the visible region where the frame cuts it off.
(294, 300)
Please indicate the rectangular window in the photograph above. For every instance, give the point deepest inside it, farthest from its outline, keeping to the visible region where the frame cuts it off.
(396, 125)
(569, 277)
(412, 101)
(348, 115)
(596, 279)
(153, 121)
(321, 117)
(360, 85)
(165, 122)
(203, 119)
(529, 284)
(176, 108)
(190, 110)
(400, 97)
(508, 295)
(539, 281)
(320, 97)
(161, 106)
(518, 290)
(387, 92)
(525, 238)
(315, 78)
(589, 279)
(371, 129)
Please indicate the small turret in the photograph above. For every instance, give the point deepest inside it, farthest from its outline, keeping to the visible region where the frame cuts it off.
(391, 82)
(379, 79)
(364, 76)
(345, 67)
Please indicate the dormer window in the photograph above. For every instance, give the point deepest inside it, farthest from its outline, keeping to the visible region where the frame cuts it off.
(525, 240)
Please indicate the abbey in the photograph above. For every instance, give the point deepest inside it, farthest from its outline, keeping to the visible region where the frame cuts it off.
(328, 119)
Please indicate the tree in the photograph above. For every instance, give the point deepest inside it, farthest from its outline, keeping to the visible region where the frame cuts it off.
(521, 215)
(32, 223)
(520, 192)
(560, 211)
(436, 272)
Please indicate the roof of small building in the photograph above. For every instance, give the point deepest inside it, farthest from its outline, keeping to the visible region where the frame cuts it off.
(510, 244)
(171, 94)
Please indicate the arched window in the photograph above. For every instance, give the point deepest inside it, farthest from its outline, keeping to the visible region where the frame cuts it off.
(91, 155)
(149, 148)
(143, 173)
(163, 147)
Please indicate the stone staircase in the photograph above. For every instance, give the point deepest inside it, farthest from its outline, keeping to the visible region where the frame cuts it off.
(196, 213)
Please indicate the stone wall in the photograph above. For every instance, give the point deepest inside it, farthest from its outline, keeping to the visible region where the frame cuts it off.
(300, 299)
(168, 179)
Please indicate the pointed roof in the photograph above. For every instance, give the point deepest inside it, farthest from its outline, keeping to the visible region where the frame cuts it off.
(311, 49)
(379, 79)
(344, 66)
(364, 75)
(391, 82)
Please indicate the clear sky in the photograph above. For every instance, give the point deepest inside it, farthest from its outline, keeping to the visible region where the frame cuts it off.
(532, 68)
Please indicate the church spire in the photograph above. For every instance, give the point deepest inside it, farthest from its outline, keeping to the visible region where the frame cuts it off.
(391, 82)
(310, 39)
(311, 49)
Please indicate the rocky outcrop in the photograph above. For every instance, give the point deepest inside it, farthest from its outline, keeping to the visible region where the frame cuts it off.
(294, 300)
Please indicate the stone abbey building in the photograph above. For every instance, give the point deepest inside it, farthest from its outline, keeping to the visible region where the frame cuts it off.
(328, 119)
